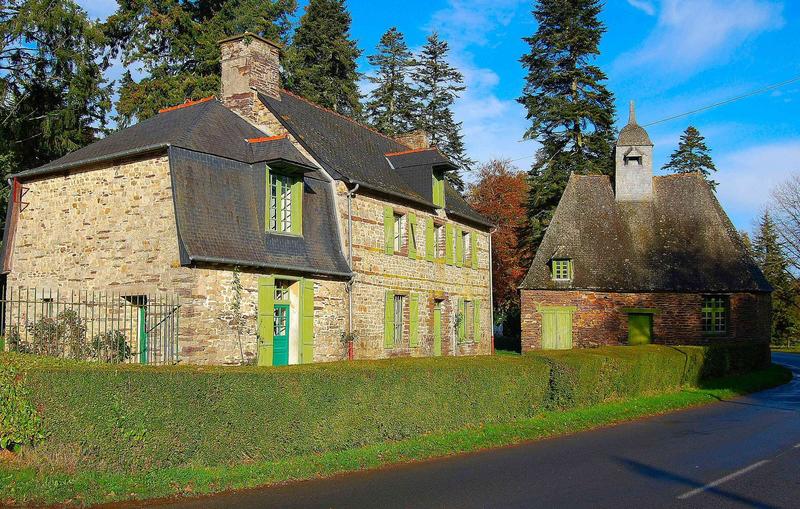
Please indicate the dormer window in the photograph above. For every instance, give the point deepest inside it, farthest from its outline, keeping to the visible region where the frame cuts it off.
(284, 203)
(562, 269)
(438, 188)
(633, 157)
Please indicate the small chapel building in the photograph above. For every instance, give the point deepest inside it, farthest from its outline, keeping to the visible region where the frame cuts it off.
(637, 258)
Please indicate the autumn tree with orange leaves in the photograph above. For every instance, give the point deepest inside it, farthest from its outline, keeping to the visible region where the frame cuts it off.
(499, 194)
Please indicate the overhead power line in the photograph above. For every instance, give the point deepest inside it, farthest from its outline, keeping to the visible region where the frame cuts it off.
(705, 108)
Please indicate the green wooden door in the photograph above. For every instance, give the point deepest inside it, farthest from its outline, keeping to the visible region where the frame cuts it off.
(556, 328)
(437, 329)
(640, 328)
(280, 335)
(143, 342)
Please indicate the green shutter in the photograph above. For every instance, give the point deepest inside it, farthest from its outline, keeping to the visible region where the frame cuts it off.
(388, 229)
(412, 236)
(462, 324)
(476, 320)
(266, 317)
(459, 247)
(268, 194)
(430, 246)
(448, 240)
(388, 320)
(474, 249)
(297, 207)
(413, 310)
(307, 326)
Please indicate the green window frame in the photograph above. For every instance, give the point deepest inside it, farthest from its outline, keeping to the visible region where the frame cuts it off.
(715, 315)
(438, 189)
(284, 203)
(562, 270)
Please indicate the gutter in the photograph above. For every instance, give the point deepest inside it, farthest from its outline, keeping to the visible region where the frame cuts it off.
(262, 265)
(350, 194)
(93, 160)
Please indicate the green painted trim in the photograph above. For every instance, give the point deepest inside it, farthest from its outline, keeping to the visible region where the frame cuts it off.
(476, 320)
(276, 359)
(459, 247)
(642, 311)
(143, 339)
(430, 240)
(413, 314)
(412, 236)
(388, 229)
(473, 237)
(297, 207)
(448, 241)
(551, 309)
(266, 318)
(462, 325)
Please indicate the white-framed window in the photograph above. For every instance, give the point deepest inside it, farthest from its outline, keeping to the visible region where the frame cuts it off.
(439, 239)
(280, 203)
(399, 304)
(282, 289)
(399, 223)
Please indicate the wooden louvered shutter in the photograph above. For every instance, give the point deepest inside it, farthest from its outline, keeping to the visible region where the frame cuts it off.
(266, 318)
(388, 229)
(430, 240)
(388, 320)
(412, 236)
(474, 249)
(413, 321)
(307, 326)
(448, 248)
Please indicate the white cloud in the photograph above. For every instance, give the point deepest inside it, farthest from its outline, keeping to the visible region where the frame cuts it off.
(691, 34)
(644, 6)
(746, 177)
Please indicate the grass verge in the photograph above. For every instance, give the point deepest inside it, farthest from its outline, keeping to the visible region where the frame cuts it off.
(85, 487)
(791, 349)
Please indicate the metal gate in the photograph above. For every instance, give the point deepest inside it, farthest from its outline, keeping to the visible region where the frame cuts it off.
(92, 325)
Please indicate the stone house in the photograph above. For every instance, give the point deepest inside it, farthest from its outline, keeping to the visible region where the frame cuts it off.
(330, 227)
(641, 258)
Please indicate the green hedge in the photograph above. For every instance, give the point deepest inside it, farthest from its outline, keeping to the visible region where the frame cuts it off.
(130, 417)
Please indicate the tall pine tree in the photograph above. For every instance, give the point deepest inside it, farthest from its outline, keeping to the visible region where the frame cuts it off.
(322, 58)
(773, 263)
(692, 155)
(390, 105)
(176, 44)
(53, 97)
(570, 109)
(438, 85)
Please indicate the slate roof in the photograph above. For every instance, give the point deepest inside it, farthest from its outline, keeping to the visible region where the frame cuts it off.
(681, 241)
(354, 153)
(219, 207)
(206, 126)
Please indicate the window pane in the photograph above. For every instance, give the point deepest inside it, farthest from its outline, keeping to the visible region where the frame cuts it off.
(279, 324)
(282, 290)
(561, 270)
(286, 204)
(398, 319)
(715, 314)
(398, 232)
(273, 202)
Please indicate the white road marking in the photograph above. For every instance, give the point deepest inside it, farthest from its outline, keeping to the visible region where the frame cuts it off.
(724, 479)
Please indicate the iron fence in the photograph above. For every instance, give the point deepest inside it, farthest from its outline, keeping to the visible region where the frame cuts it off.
(92, 325)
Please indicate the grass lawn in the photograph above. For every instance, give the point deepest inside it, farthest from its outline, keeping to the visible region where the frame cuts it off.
(783, 349)
(27, 485)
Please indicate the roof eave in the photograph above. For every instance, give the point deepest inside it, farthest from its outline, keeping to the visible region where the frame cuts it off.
(264, 265)
(40, 172)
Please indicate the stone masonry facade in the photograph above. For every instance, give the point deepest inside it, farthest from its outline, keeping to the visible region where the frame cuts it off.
(599, 318)
(112, 228)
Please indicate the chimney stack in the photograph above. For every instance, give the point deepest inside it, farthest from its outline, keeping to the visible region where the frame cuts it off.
(415, 139)
(248, 62)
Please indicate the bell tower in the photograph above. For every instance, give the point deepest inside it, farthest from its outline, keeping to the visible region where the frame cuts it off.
(633, 175)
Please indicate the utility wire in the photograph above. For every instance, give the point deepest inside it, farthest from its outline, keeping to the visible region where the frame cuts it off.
(704, 108)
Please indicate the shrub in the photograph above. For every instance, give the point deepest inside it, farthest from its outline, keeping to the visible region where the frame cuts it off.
(20, 424)
(127, 417)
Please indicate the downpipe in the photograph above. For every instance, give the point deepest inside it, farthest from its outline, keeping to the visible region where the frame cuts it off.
(350, 348)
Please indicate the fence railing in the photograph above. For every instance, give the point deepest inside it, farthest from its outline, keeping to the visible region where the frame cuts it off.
(91, 325)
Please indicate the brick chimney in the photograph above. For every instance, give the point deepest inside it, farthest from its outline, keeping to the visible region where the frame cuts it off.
(415, 139)
(248, 62)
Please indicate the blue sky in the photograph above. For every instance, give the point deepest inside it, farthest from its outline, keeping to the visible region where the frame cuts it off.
(670, 56)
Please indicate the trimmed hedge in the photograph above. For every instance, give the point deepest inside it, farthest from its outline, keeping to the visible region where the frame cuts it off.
(124, 418)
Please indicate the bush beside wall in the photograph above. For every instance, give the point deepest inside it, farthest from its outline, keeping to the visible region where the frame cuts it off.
(125, 418)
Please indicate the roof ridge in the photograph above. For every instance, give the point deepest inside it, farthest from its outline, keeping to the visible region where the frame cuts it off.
(187, 103)
(266, 138)
(345, 117)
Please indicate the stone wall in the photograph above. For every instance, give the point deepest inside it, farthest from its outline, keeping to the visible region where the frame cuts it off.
(377, 272)
(112, 228)
(599, 318)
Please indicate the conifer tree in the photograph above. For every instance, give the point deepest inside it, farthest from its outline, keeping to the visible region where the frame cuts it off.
(438, 84)
(692, 155)
(772, 260)
(390, 105)
(53, 96)
(570, 109)
(176, 44)
(322, 58)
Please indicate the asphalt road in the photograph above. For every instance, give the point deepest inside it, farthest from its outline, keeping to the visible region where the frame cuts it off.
(738, 453)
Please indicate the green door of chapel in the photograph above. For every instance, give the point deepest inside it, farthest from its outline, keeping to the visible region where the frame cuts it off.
(557, 328)
(640, 328)
(280, 335)
(437, 329)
